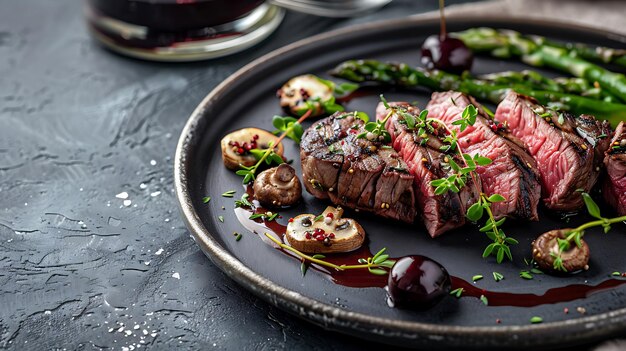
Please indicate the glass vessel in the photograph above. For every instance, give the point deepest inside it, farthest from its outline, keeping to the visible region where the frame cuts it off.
(181, 30)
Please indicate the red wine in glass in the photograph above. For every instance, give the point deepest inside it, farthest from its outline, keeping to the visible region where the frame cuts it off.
(181, 30)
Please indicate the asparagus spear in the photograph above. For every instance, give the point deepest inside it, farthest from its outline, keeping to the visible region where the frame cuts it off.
(485, 39)
(507, 43)
(403, 75)
(537, 81)
(598, 54)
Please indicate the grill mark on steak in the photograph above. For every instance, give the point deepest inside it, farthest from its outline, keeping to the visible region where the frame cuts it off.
(614, 186)
(426, 162)
(355, 173)
(359, 167)
(512, 171)
(565, 148)
(320, 166)
(528, 198)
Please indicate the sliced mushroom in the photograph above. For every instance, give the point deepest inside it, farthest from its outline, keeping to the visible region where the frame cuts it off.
(546, 246)
(236, 146)
(329, 233)
(278, 187)
(294, 94)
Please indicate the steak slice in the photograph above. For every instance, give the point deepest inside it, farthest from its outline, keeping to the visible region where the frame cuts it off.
(567, 149)
(426, 162)
(614, 187)
(512, 173)
(320, 166)
(355, 173)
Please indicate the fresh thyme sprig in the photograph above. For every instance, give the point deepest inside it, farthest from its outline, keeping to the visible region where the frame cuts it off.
(458, 180)
(243, 202)
(455, 182)
(268, 155)
(575, 235)
(376, 131)
(374, 265)
(500, 246)
(268, 216)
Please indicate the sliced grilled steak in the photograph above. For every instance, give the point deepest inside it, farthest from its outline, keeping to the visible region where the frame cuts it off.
(512, 173)
(427, 163)
(355, 173)
(614, 188)
(566, 148)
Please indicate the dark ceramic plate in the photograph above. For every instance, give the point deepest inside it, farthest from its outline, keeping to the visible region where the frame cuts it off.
(247, 99)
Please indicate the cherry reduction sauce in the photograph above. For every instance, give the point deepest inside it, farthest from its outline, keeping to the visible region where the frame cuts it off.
(361, 278)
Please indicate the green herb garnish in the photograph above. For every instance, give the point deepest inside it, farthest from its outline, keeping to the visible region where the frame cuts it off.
(376, 131)
(268, 216)
(289, 128)
(304, 266)
(376, 265)
(492, 228)
(229, 193)
(243, 202)
(526, 275)
(575, 235)
(497, 276)
(457, 292)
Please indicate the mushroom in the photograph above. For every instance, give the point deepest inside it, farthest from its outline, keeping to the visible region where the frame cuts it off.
(278, 187)
(236, 146)
(298, 90)
(546, 246)
(325, 233)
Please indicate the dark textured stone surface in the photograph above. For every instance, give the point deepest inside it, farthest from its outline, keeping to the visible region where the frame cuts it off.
(80, 125)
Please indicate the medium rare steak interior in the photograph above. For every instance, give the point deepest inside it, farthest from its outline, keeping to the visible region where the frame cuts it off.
(426, 163)
(355, 173)
(566, 148)
(614, 187)
(513, 172)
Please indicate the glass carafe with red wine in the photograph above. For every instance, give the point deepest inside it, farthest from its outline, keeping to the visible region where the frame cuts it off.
(181, 30)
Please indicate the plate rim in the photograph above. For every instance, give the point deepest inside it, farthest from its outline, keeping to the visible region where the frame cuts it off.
(582, 329)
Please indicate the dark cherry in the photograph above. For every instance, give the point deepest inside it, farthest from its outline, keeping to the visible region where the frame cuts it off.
(417, 282)
(446, 54)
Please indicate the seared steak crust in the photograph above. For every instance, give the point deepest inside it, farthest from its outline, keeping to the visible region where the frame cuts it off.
(614, 187)
(513, 172)
(566, 148)
(355, 173)
(426, 162)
